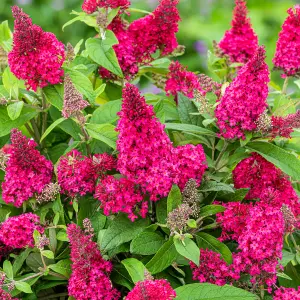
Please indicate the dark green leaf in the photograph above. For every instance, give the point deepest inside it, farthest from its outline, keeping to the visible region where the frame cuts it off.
(63, 267)
(51, 127)
(213, 186)
(210, 210)
(122, 230)
(189, 128)
(20, 259)
(106, 113)
(207, 241)
(55, 95)
(146, 243)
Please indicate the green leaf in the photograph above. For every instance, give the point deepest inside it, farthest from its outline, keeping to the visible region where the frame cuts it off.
(99, 90)
(207, 241)
(282, 159)
(188, 249)
(55, 95)
(192, 223)
(174, 198)
(105, 133)
(213, 186)
(63, 267)
(6, 124)
(122, 230)
(48, 253)
(146, 243)
(161, 211)
(5, 32)
(12, 83)
(83, 17)
(210, 210)
(8, 269)
(19, 261)
(164, 257)
(189, 128)
(51, 127)
(237, 196)
(286, 257)
(135, 268)
(82, 84)
(14, 110)
(101, 52)
(186, 108)
(207, 291)
(62, 236)
(23, 287)
(282, 275)
(106, 113)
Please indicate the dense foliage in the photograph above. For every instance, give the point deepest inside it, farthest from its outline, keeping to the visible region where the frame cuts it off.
(191, 192)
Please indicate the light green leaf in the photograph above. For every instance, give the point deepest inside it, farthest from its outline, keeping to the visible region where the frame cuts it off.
(55, 95)
(23, 287)
(14, 110)
(207, 291)
(164, 257)
(135, 268)
(82, 17)
(63, 267)
(62, 236)
(174, 198)
(210, 210)
(189, 128)
(8, 269)
(146, 243)
(207, 241)
(106, 113)
(188, 249)
(105, 133)
(122, 230)
(282, 159)
(99, 90)
(51, 127)
(102, 53)
(48, 254)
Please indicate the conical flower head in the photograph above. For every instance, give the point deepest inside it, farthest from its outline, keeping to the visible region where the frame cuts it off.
(27, 171)
(244, 99)
(287, 57)
(240, 42)
(37, 56)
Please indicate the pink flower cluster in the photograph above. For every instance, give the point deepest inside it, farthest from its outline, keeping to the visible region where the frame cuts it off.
(77, 174)
(286, 294)
(213, 269)
(266, 182)
(90, 6)
(90, 272)
(37, 56)
(183, 81)
(17, 232)
(143, 37)
(288, 45)
(244, 99)
(240, 42)
(120, 195)
(6, 296)
(27, 171)
(146, 154)
(159, 289)
(284, 126)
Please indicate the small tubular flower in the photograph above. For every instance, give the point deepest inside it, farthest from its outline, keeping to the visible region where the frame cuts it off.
(76, 174)
(244, 99)
(152, 290)
(17, 232)
(90, 6)
(287, 56)
(90, 272)
(283, 293)
(120, 195)
(36, 56)
(240, 42)
(27, 171)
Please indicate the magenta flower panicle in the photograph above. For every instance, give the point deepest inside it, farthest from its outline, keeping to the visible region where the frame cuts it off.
(36, 56)
(287, 56)
(240, 42)
(90, 6)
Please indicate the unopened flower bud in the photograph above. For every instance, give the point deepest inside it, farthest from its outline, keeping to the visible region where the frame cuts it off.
(87, 224)
(191, 197)
(49, 193)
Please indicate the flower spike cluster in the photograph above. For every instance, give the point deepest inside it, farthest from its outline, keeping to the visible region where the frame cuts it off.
(90, 6)
(37, 56)
(244, 99)
(90, 272)
(146, 154)
(17, 232)
(287, 56)
(27, 171)
(287, 294)
(152, 290)
(240, 42)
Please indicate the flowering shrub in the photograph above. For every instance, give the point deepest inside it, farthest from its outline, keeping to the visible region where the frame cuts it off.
(110, 193)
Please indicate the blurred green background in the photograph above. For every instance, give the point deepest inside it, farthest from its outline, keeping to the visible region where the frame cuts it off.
(202, 22)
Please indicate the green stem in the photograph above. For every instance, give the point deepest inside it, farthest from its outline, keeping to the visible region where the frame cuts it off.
(86, 139)
(221, 154)
(36, 130)
(44, 114)
(285, 85)
(31, 131)
(294, 242)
